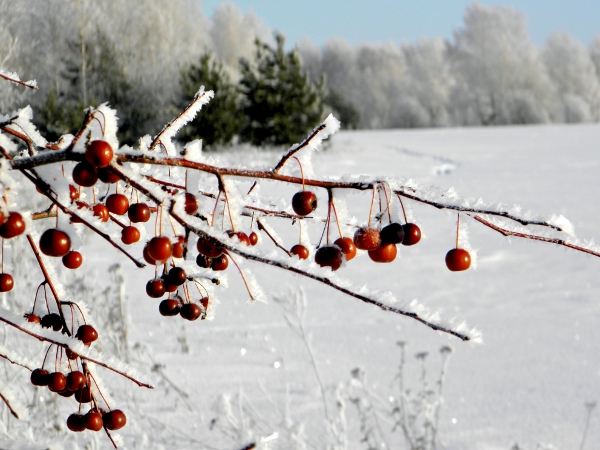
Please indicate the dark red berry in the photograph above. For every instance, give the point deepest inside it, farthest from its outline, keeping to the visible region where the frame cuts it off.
(300, 250)
(75, 423)
(155, 288)
(70, 354)
(190, 311)
(329, 256)
(13, 226)
(53, 321)
(39, 377)
(240, 235)
(169, 287)
(177, 276)
(84, 395)
(55, 242)
(385, 253)
(253, 237)
(73, 193)
(304, 202)
(117, 204)
(367, 238)
(139, 212)
(33, 318)
(219, 263)
(130, 235)
(392, 233)
(412, 234)
(149, 259)
(114, 420)
(75, 380)
(6, 282)
(207, 248)
(99, 153)
(204, 302)
(178, 249)
(101, 211)
(85, 174)
(347, 247)
(191, 203)
(458, 259)
(169, 307)
(66, 393)
(86, 334)
(107, 175)
(57, 382)
(93, 420)
(72, 260)
(203, 261)
(160, 248)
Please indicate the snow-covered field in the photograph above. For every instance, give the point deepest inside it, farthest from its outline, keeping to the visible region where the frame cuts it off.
(536, 305)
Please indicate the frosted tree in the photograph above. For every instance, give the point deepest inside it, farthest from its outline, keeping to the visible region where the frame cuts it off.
(572, 70)
(500, 76)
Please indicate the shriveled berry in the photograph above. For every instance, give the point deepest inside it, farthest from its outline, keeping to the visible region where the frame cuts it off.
(53, 321)
(33, 318)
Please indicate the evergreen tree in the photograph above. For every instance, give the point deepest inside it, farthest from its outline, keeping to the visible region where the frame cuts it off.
(280, 104)
(220, 120)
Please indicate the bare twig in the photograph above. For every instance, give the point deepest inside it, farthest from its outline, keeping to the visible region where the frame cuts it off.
(297, 148)
(28, 84)
(10, 408)
(15, 363)
(261, 227)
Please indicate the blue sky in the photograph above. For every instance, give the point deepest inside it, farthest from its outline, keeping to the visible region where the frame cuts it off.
(409, 20)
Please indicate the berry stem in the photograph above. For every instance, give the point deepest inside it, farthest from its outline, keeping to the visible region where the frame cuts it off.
(372, 204)
(2, 255)
(100, 123)
(222, 187)
(301, 172)
(337, 219)
(242, 275)
(457, 229)
(403, 210)
(388, 200)
(214, 213)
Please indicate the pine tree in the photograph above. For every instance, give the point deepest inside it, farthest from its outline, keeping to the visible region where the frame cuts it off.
(279, 101)
(220, 120)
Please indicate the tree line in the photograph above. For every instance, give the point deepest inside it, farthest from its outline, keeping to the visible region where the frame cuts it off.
(147, 58)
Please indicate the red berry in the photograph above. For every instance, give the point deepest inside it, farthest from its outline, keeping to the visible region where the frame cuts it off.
(253, 237)
(204, 302)
(55, 242)
(240, 235)
(66, 393)
(33, 318)
(392, 233)
(219, 263)
(177, 276)
(155, 288)
(160, 248)
(75, 380)
(207, 248)
(85, 174)
(458, 259)
(191, 203)
(6, 282)
(149, 259)
(384, 253)
(101, 212)
(203, 261)
(84, 395)
(412, 234)
(39, 377)
(300, 250)
(72, 260)
(329, 256)
(107, 175)
(304, 202)
(93, 420)
(73, 193)
(367, 238)
(169, 287)
(117, 204)
(139, 212)
(57, 382)
(86, 334)
(130, 235)
(114, 420)
(13, 226)
(70, 354)
(99, 153)
(53, 321)
(347, 247)
(75, 423)
(169, 307)
(190, 311)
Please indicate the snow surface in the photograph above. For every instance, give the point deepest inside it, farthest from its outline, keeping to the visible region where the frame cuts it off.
(536, 305)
